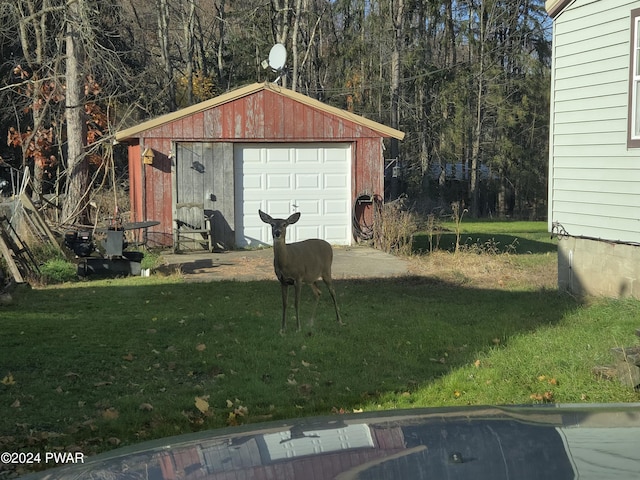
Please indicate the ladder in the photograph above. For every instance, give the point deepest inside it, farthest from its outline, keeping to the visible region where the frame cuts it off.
(19, 258)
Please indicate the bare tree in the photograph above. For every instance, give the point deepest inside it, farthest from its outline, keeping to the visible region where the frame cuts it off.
(75, 203)
(38, 69)
(163, 16)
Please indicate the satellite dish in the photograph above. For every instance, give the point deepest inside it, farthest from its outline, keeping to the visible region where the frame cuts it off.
(277, 60)
(277, 57)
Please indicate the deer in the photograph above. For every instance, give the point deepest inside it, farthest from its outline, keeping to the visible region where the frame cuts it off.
(300, 262)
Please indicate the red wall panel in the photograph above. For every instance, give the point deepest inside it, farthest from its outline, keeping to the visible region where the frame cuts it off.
(262, 116)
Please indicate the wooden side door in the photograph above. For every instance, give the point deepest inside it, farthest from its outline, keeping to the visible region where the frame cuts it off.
(203, 173)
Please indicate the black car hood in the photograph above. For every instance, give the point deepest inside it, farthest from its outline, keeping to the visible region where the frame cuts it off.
(548, 442)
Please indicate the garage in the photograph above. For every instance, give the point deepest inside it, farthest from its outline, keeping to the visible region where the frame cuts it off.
(281, 179)
(261, 146)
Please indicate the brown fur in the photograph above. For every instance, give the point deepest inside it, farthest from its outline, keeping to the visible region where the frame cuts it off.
(300, 262)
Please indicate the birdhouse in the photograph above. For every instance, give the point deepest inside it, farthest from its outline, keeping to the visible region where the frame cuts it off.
(147, 156)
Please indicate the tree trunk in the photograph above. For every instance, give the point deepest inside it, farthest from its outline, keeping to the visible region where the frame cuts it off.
(294, 46)
(221, 21)
(280, 24)
(397, 14)
(75, 203)
(163, 40)
(33, 35)
(189, 34)
(477, 129)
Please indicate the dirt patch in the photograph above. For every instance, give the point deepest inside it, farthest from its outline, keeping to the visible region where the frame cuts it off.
(464, 268)
(348, 262)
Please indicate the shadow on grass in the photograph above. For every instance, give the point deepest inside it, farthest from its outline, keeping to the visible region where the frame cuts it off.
(80, 351)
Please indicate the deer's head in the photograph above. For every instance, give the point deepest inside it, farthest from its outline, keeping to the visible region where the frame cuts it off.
(279, 225)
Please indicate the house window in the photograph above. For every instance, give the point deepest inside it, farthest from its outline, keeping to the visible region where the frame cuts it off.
(633, 127)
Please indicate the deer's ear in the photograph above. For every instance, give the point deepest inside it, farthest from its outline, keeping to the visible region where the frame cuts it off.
(264, 217)
(293, 218)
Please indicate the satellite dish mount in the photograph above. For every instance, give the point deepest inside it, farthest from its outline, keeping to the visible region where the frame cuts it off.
(277, 60)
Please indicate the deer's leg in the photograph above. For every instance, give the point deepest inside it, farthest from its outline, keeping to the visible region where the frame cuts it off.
(285, 298)
(332, 291)
(298, 287)
(316, 293)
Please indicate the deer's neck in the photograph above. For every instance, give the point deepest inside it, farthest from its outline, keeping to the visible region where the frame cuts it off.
(279, 250)
(281, 260)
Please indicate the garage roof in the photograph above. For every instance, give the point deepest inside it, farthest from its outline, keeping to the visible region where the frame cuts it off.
(133, 132)
(555, 7)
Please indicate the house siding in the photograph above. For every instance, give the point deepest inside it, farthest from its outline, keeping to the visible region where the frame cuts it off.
(595, 178)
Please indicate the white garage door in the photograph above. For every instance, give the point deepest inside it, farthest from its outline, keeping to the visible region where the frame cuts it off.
(280, 179)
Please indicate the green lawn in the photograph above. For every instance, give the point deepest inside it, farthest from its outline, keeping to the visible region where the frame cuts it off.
(100, 364)
(511, 237)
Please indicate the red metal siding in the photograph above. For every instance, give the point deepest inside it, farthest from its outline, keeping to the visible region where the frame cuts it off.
(156, 182)
(263, 116)
(135, 182)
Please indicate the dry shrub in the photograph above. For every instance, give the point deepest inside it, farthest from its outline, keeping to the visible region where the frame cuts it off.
(468, 268)
(434, 229)
(394, 227)
(104, 202)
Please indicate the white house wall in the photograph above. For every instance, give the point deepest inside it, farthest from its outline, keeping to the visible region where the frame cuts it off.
(594, 177)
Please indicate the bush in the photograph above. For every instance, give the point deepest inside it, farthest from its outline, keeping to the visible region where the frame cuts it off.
(58, 270)
(394, 227)
(151, 260)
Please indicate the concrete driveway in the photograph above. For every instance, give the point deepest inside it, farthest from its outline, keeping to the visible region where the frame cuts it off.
(246, 265)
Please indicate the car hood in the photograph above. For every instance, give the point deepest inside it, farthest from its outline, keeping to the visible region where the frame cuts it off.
(546, 442)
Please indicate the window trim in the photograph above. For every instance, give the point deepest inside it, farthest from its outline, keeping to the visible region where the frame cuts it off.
(633, 105)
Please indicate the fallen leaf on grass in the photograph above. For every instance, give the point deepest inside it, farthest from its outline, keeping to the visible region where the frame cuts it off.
(202, 404)
(8, 380)
(550, 381)
(201, 347)
(476, 364)
(305, 364)
(110, 414)
(128, 357)
(546, 397)
(232, 420)
(145, 407)
(16, 404)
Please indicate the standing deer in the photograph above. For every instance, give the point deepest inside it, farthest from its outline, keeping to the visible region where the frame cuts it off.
(300, 262)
